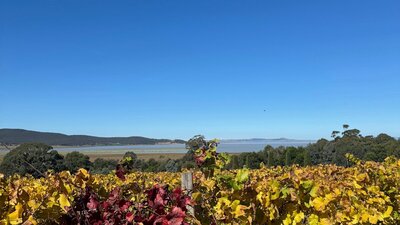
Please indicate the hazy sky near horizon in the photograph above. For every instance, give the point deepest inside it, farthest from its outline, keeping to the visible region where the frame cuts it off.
(225, 69)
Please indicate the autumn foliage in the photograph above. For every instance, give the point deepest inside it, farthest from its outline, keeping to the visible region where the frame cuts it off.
(364, 193)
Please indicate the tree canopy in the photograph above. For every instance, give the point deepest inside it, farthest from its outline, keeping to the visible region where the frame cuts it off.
(32, 158)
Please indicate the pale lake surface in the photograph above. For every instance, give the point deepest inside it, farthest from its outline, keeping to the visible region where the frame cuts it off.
(230, 147)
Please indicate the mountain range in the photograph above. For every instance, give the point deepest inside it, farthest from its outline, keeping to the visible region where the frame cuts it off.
(19, 136)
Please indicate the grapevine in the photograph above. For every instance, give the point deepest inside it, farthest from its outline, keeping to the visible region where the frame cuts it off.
(364, 193)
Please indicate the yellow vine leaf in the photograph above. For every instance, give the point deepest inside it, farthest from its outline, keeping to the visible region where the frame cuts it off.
(30, 221)
(388, 212)
(250, 219)
(325, 221)
(84, 172)
(196, 196)
(318, 204)
(209, 184)
(287, 220)
(373, 219)
(260, 196)
(64, 202)
(356, 185)
(68, 188)
(356, 219)
(16, 216)
(337, 191)
(242, 175)
(240, 211)
(298, 217)
(313, 219)
(364, 217)
(314, 191)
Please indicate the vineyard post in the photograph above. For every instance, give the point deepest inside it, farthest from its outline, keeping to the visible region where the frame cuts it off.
(187, 185)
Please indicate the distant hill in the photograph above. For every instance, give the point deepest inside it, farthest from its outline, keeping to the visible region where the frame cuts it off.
(265, 140)
(19, 136)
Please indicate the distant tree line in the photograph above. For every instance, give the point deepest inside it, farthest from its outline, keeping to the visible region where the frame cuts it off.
(323, 151)
(37, 158)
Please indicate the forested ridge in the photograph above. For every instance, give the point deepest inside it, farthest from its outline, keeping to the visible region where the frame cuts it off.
(20, 136)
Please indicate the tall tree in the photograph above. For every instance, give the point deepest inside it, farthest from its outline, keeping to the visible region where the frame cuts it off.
(270, 161)
(287, 158)
(32, 158)
(307, 158)
(76, 160)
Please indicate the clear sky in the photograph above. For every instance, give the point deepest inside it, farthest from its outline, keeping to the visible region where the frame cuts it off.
(225, 69)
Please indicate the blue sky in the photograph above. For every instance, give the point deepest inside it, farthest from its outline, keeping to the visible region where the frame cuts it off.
(173, 69)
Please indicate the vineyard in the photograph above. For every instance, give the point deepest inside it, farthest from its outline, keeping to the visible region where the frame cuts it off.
(365, 193)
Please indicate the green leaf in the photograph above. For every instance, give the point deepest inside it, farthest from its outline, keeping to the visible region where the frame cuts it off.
(242, 175)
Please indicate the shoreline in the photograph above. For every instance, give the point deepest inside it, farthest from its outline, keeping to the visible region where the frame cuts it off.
(2, 148)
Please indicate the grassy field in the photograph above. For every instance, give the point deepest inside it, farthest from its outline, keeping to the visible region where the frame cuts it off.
(118, 156)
